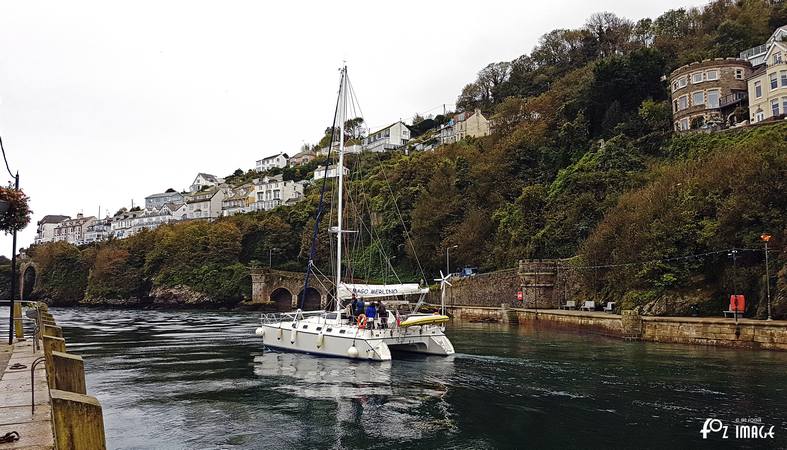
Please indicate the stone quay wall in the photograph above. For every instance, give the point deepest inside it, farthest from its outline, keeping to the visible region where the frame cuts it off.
(58, 413)
(745, 333)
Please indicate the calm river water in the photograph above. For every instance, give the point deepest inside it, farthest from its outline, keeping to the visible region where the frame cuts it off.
(198, 379)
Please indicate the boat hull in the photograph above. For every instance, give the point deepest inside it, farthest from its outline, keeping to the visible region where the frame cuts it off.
(372, 345)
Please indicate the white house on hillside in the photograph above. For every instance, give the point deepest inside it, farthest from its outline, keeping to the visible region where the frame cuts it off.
(122, 222)
(279, 160)
(204, 180)
(45, 232)
(99, 230)
(389, 138)
(205, 204)
(241, 200)
(333, 172)
(273, 191)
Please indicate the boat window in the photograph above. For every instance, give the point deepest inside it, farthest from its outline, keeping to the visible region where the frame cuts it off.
(293, 325)
(329, 330)
(342, 331)
(330, 316)
(305, 327)
(319, 328)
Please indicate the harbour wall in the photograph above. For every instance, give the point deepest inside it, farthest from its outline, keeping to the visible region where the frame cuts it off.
(60, 415)
(745, 333)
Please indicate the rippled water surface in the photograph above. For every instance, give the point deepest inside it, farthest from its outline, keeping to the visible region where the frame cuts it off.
(201, 380)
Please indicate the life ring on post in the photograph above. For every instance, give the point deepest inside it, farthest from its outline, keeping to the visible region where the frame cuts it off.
(362, 321)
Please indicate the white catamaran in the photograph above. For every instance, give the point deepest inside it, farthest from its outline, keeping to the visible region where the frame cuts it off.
(333, 333)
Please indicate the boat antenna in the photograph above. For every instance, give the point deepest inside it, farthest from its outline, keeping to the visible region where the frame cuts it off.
(321, 204)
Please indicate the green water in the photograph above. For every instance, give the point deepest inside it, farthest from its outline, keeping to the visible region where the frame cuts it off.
(201, 380)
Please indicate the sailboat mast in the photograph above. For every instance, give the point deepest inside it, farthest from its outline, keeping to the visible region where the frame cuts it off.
(340, 168)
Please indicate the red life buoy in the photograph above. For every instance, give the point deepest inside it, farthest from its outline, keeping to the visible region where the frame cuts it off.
(362, 320)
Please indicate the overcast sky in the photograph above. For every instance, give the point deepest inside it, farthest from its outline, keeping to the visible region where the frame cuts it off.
(105, 102)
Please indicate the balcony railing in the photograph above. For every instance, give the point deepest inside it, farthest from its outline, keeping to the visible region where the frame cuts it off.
(733, 98)
(746, 54)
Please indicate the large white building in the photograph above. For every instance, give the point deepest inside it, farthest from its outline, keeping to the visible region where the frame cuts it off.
(73, 230)
(98, 231)
(45, 231)
(391, 137)
(271, 192)
(122, 222)
(278, 160)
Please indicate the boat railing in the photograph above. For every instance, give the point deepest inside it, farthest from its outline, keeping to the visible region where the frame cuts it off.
(294, 316)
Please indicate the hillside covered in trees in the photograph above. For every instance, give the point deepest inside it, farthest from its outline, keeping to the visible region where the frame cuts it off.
(582, 165)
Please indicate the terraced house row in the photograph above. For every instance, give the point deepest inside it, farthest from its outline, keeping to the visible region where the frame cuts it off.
(726, 92)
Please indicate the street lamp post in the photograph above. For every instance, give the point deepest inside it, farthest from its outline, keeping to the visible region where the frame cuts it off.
(13, 275)
(734, 254)
(448, 259)
(767, 237)
(270, 256)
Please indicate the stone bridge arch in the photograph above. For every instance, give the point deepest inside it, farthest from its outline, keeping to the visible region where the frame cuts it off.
(29, 276)
(273, 287)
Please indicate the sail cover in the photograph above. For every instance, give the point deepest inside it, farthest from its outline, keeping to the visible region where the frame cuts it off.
(346, 290)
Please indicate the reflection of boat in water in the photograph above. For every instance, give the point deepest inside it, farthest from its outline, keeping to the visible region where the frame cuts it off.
(332, 333)
(390, 399)
(328, 378)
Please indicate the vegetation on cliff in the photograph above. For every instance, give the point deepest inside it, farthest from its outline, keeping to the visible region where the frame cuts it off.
(582, 164)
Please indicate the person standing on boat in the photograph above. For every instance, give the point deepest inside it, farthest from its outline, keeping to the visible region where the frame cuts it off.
(371, 314)
(383, 313)
(353, 310)
(358, 308)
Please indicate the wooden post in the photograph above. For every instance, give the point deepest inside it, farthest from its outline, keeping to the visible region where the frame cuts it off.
(52, 330)
(69, 373)
(78, 421)
(18, 329)
(52, 344)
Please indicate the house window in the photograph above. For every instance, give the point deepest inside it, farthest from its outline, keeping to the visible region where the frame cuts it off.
(683, 102)
(777, 58)
(712, 75)
(783, 76)
(698, 98)
(773, 81)
(684, 123)
(758, 89)
(696, 77)
(738, 74)
(784, 104)
(775, 107)
(674, 86)
(713, 99)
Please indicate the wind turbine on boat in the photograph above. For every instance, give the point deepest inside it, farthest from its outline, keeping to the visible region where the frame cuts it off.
(443, 282)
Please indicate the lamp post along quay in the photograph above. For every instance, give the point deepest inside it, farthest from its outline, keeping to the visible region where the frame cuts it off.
(765, 238)
(15, 176)
(448, 259)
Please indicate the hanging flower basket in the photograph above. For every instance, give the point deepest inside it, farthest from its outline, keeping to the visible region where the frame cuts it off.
(17, 214)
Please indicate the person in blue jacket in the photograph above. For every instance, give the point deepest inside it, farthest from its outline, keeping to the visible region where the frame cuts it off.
(358, 307)
(371, 314)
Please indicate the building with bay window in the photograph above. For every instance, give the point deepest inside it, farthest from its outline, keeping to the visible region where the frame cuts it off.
(711, 92)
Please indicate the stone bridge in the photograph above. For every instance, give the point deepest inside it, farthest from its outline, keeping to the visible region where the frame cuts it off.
(28, 278)
(283, 290)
